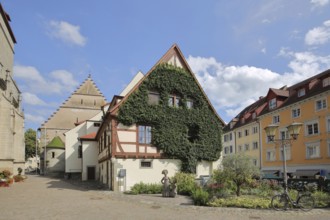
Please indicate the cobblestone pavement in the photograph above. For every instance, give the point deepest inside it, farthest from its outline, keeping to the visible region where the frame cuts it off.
(46, 198)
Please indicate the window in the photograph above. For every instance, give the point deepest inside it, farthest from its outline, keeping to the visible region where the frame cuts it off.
(246, 147)
(190, 104)
(230, 149)
(81, 101)
(255, 162)
(53, 154)
(328, 124)
(295, 113)
(226, 150)
(320, 104)
(270, 155)
(173, 101)
(246, 132)
(239, 134)
(326, 82)
(225, 138)
(97, 124)
(144, 134)
(287, 153)
(313, 150)
(272, 103)
(284, 135)
(254, 115)
(240, 148)
(153, 98)
(255, 130)
(328, 144)
(230, 136)
(255, 145)
(301, 92)
(312, 128)
(276, 119)
(79, 151)
(145, 164)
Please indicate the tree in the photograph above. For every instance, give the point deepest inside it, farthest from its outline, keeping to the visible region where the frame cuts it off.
(30, 143)
(239, 169)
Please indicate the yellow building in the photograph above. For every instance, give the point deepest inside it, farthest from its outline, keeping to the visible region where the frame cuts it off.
(306, 102)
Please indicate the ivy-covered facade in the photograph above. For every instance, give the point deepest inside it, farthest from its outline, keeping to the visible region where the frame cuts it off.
(164, 121)
(183, 126)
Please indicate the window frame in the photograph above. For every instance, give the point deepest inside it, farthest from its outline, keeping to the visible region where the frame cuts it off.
(276, 119)
(323, 104)
(146, 132)
(312, 124)
(301, 92)
(272, 155)
(326, 81)
(313, 146)
(272, 104)
(145, 162)
(295, 112)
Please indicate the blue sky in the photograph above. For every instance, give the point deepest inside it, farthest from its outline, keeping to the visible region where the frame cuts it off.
(237, 49)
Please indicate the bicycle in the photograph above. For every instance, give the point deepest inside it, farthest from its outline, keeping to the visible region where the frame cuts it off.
(304, 201)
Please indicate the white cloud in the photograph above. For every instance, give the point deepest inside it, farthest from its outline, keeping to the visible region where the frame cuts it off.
(319, 35)
(60, 81)
(66, 32)
(32, 99)
(34, 118)
(319, 3)
(232, 88)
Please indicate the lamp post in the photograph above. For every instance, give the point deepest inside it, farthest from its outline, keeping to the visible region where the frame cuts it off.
(293, 131)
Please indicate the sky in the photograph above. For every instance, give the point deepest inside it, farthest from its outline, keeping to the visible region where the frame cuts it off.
(237, 49)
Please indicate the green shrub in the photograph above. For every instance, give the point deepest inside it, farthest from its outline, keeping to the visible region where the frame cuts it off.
(322, 199)
(200, 197)
(143, 188)
(185, 183)
(242, 202)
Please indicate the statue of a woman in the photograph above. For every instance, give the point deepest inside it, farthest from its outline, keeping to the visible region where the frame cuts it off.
(166, 184)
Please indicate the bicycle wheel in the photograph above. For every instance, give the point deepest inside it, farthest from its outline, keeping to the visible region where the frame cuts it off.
(279, 202)
(306, 202)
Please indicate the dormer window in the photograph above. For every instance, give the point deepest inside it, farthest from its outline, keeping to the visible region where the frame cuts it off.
(326, 82)
(254, 115)
(301, 92)
(272, 103)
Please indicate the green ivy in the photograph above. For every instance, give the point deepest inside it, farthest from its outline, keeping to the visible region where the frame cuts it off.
(190, 135)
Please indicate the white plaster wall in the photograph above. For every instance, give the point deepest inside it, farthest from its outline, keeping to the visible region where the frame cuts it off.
(90, 153)
(136, 174)
(58, 162)
(72, 162)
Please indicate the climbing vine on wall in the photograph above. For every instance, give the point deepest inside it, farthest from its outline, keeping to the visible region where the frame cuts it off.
(188, 134)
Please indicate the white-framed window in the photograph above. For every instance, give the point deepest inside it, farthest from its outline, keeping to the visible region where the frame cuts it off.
(276, 119)
(246, 132)
(287, 153)
(231, 149)
(231, 136)
(225, 138)
(190, 104)
(255, 145)
(246, 147)
(326, 82)
(239, 134)
(313, 150)
(270, 155)
(254, 115)
(255, 129)
(272, 103)
(311, 128)
(153, 98)
(144, 134)
(227, 150)
(301, 92)
(328, 123)
(295, 112)
(284, 134)
(320, 104)
(146, 164)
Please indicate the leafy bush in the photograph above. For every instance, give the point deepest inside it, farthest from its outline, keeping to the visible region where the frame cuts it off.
(6, 174)
(200, 197)
(185, 183)
(242, 202)
(322, 199)
(143, 188)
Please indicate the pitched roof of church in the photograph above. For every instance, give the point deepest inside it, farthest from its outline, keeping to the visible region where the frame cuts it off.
(86, 97)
